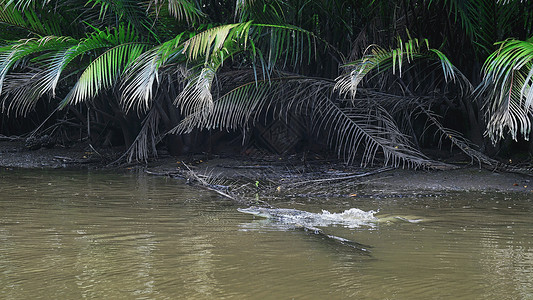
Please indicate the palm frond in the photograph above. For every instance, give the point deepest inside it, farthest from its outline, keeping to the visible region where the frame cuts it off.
(103, 72)
(24, 4)
(98, 40)
(140, 78)
(456, 138)
(282, 46)
(507, 86)
(382, 60)
(212, 40)
(196, 96)
(146, 139)
(21, 92)
(39, 22)
(212, 45)
(14, 54)
(207, 51)
(119, 12)
(55, 55)
(216, 45)
(180, 9)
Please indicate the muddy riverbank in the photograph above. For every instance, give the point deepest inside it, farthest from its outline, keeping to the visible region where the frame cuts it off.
(288, 174)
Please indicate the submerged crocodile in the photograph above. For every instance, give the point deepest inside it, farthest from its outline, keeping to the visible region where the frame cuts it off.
(308, 221)
(349, 218)
(284, 215)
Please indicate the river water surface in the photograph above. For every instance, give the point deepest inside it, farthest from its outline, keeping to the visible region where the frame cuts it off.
(78, 234)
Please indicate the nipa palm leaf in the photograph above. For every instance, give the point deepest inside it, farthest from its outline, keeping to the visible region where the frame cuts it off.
(507, 89)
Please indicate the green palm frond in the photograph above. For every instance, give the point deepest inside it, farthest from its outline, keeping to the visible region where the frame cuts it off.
(38, 22)
(382, 60)
(507, 85)
(180, 9)
(210, 41)
(143, 74)
(286, 42)
(206, 51)
(212, 46)
(98, 40)
(103, 72)
(24, 4)
(120, 12)
(55, 54)
(14, 54)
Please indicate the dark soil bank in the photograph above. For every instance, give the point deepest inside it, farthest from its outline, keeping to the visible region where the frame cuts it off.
(280, 169)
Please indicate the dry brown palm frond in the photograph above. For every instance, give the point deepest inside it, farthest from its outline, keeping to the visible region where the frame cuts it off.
(457, 139)
(145, 143)
(405, 109)
(356, 133)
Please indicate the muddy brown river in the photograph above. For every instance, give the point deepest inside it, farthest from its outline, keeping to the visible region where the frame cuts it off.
(98, 235)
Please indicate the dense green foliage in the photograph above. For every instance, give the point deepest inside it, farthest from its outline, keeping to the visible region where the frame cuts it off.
(374, 78)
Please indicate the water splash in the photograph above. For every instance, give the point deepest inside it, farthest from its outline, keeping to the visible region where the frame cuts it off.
(351, 218)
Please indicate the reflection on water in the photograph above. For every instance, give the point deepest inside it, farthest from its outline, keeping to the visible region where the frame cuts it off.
(74, 234)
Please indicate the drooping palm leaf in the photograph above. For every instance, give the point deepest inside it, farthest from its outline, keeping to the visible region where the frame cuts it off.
(18, 89)
(24, 4)
(205, 43)
(382, 60)
(57, 53)
(282, 42)
(349, 130)
(103, 72)
(507, 85)
(146, 139)
(207, 51)
(143, 74)
(209, 45)
(457, 139)
(13, 54)
(196, 96)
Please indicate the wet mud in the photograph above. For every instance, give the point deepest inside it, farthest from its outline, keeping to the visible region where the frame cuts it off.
(288, 175)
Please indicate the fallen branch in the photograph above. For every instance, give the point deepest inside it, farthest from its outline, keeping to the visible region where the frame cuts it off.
(208, 186)
(167, 174)
(381, 170)
(10, 138)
